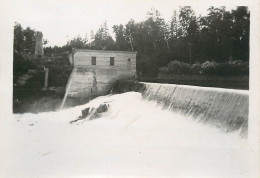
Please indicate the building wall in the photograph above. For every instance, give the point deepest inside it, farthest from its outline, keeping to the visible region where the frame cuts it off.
(103, 74)
(83, 59)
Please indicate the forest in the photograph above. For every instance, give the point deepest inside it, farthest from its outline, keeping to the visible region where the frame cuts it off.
(214, 44)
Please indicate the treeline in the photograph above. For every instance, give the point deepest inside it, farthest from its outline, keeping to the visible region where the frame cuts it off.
(220, 36)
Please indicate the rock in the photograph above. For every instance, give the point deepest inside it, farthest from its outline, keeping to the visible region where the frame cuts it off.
(96, 112)
(92, 113)
(84, 113)
(102, 108)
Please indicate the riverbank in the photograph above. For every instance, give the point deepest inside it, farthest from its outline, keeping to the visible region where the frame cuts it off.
(231, 82)
(29, 93)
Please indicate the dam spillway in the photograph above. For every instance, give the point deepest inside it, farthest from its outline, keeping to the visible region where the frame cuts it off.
(224, 108)
(227, 109)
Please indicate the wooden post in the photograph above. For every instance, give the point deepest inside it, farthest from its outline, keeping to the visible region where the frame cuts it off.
(46, 78)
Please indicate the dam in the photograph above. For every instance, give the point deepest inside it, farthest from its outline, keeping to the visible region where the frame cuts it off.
(225, 108)
(98, 72)
(147, 130)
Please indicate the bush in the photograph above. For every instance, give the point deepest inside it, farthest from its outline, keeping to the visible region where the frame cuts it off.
(177, 67)
(239, 67)
(196, 68)
(225, 69)
(164, 70)
(209, 67)
(20, 65)
(231, 68)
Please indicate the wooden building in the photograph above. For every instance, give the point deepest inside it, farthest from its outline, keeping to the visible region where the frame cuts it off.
(96, 70)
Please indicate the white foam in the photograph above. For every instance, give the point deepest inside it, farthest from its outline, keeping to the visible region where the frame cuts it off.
(134, 138)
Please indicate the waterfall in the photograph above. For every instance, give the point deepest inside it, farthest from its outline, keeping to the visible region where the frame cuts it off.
(81, 86)
(122, 127)
(67, 88)
(224, 108)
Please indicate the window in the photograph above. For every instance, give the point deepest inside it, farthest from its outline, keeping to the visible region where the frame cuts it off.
(112, 61)
(93, 61)
(129, 59)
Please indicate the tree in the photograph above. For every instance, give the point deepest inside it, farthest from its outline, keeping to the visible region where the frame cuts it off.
(29, 39)
(219, 29)
(155, 27)
(78, 42)
(18, 37)
(184, 32)
(121, 41)
(166, 34)
(186, 15)
(102, 39)
(174, 25)
(131, 32)
(92, 36)
(240, 33)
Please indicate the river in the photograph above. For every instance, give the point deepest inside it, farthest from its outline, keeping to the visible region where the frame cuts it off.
(135, 137)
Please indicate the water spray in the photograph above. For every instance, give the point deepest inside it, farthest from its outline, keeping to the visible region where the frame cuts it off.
(67, 88)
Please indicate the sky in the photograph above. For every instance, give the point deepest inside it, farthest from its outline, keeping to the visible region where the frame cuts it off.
(63, 20)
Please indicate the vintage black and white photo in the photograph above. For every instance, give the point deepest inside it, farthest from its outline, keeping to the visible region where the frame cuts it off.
(130, 89)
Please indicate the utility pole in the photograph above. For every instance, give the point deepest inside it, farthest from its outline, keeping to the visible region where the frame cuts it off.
(190, 44)
(131, 42)
(167, 43)
(166, 39)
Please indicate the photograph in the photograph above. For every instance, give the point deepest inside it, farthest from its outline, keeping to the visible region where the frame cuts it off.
(130, 89)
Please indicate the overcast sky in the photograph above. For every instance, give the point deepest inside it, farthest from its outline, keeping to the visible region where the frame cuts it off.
(61, 20)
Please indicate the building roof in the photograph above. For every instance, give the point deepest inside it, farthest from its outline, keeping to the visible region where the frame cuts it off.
(102, 51)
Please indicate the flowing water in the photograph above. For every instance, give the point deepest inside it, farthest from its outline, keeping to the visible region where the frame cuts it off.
(136, 137)
(69, 83)
(224, 108)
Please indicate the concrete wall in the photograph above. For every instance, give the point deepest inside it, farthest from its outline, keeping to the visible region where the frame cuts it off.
(82, 83)
(103, 74)
(83, 58)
